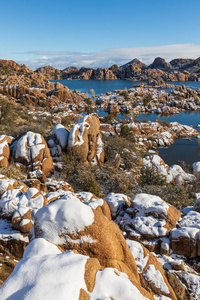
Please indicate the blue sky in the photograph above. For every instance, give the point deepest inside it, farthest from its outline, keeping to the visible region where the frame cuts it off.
(98, 33)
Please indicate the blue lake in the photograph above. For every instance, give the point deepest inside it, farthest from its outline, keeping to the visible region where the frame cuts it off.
(99, 86)
(104, 86)
(186, 118)
(187, 150)
(183, 149)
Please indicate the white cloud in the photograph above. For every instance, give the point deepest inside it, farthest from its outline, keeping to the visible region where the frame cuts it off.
(108, 57)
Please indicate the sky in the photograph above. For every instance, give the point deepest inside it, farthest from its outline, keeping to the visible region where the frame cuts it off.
(94, 34)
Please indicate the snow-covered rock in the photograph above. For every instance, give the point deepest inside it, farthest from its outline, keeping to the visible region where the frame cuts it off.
(20, 206)
(196, 167)
(117, 202)
(78, 277)
(179, 175)
(85, 141)
(61, 135)
(5, 141)
(149, 216)
(32, 151)
(185, 240)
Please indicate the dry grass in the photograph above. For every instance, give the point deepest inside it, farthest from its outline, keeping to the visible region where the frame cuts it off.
(14, 172)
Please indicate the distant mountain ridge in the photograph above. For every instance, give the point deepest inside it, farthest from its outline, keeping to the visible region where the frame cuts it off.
(159, 71)
(159, 62)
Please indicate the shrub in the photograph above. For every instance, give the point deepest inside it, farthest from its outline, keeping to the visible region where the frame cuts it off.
(23, 101)
(14, 172)
(88, 101)
(108, 119)
(86, 180)
(89, 110)
(150, 176)
(112, 180)
(7, 114)
(66, 122)
(125, 148)
(134, 104)
(128, 133)
(147, 99)
(81, 177)
(163, 123)
(124, 93)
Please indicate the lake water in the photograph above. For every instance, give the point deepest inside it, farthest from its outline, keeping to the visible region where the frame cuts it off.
(191, 118)
(104, 86)
(99, 86)
(183, 149)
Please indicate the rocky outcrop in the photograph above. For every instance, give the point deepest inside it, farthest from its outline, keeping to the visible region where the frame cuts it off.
(173, 174)
(20, 206)
(180, 63)
(48, 70)
(151, 273)
(113, 108)
(63, 93)
(135, 62)
(5, 141)
(182, 131)
(117, 203)
(81, 278)
(85, 140)
(57, 144)
(159, 63)
(32, 95)
(7, 184)
(185, 240)
(176, 70)
(74, 234)
(89, 233)
(53, 185)
(32, 152)
(10, 66)
(148, 217)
